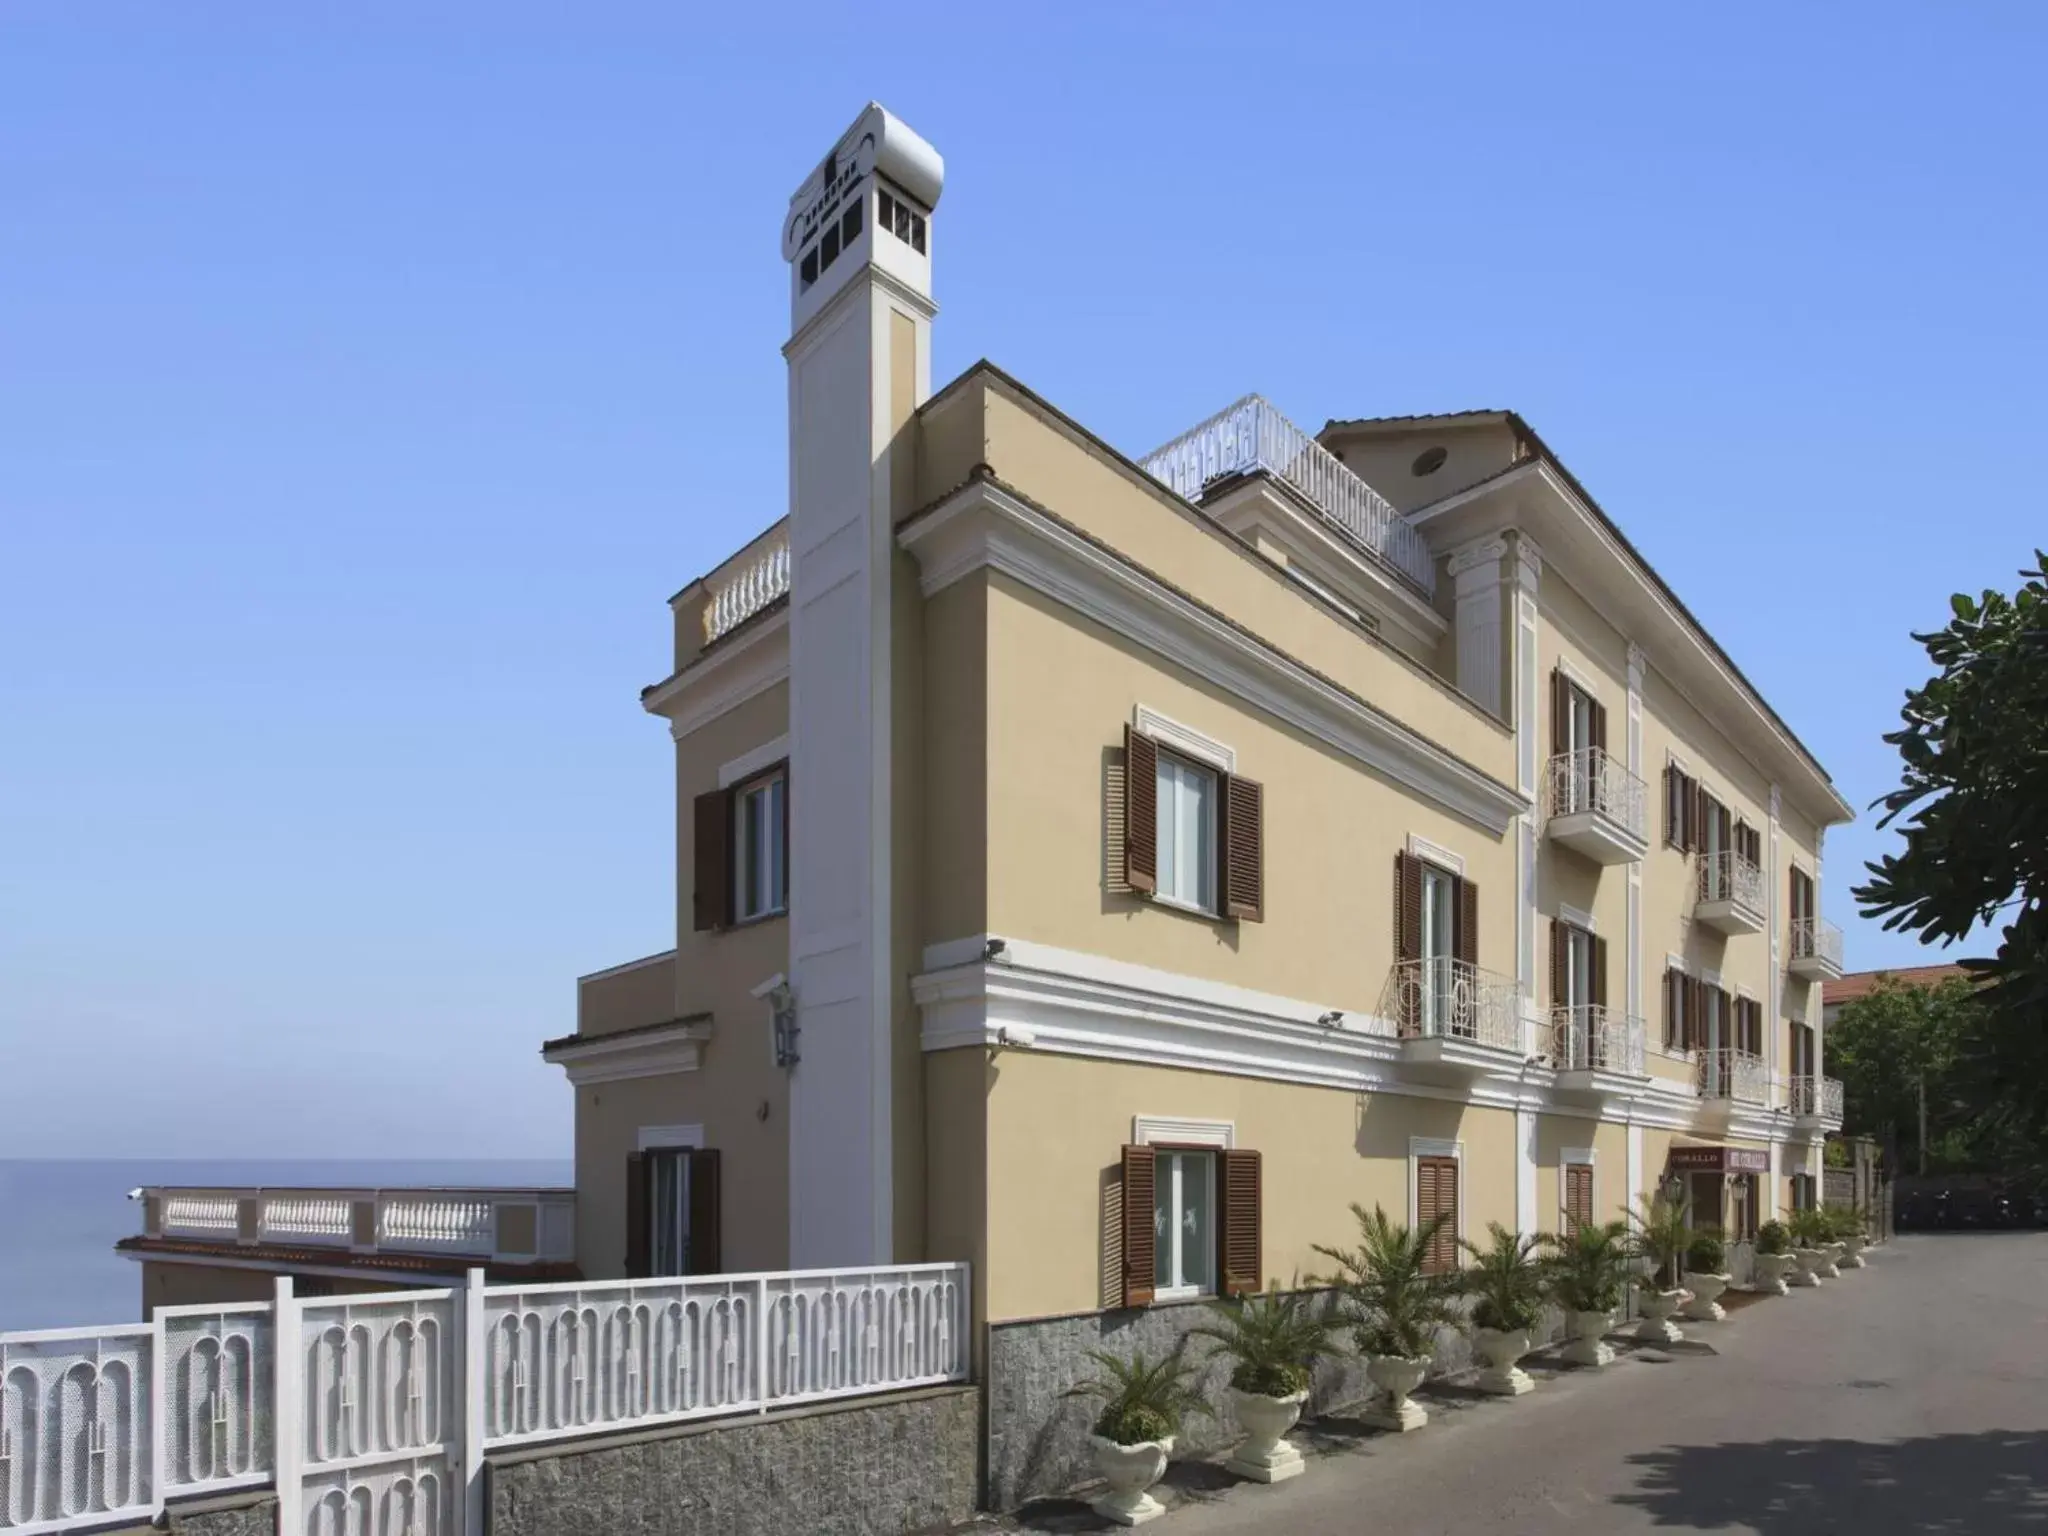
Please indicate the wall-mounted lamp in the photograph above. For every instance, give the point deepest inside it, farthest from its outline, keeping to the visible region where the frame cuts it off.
(1334, 1019)
(1014, 1037)
(781, 1000)
(993, 949)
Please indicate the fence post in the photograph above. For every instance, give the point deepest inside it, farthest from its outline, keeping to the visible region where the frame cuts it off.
(159, 1414)
(288, 1409)
(473, 1363)
(761, 1343)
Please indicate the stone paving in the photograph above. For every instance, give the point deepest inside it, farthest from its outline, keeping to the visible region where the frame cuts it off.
(1911, 1396)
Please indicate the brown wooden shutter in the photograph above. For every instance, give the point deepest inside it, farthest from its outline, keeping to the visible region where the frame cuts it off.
(639, 1218)
(1407, 906)
(1578, 1196)
(1141, 813)
(1672, 1033)
(712, 899)
(1140, 1254)
(1244, 849)
(1239, 1231)
(1672, 828)
(1599, 973)
(1559, 960)
(1436, 1194)
(1597, 733)
(705, 1225)
(1560, 712)
(1465, 942)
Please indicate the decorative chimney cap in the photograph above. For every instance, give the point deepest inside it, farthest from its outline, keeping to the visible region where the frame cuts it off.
(877, 144)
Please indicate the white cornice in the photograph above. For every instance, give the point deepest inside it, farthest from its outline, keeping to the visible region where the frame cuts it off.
(635, 1053)
(984, 526)
(732, 672)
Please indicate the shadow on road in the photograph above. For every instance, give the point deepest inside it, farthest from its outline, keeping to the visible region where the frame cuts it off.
(1990, 1484)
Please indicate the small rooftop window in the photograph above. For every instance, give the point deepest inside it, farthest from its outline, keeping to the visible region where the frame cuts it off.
(1429, 461)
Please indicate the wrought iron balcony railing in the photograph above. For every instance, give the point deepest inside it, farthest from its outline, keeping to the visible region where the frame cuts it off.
(1727, 1073)
(1594, 1038)
(1591, 780)
(1451, 1000)
(1250, 435)
(1728, 876)
(1817, 1098)
(1815, 938)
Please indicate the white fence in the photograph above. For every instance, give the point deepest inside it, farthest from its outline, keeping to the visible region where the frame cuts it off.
(505, 1225)
(371, 1413)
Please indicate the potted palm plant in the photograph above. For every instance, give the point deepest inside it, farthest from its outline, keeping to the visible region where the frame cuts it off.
(1659, 1243)
(1143, 1404)
(1706, 1277)
(1774, 1259)
(1809, 1231)
(1509, 1280)
(1395, 1303)
(1850, 1233)
(1274, 1342)
(1590, 1266)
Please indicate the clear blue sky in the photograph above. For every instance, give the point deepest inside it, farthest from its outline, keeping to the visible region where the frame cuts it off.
(370, 375)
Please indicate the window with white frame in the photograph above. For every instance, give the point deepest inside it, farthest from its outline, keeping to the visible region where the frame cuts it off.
(760, 861)
(1187, 820)
(1183, 1223)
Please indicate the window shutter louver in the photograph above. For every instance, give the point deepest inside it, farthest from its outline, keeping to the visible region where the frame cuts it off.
(1408, 906)
(1560, 713)
(1598, 732)
(1436, 1194)
(1672, 829)
(1559, 960)
(1599, 973)
(1141, 812)
(1578, 1196)
(704, 1219)
(639, 1217)
(1466, 939)
(1139, 1248)
(1672, 1028)
(711, 901)
(1244, 849)
(1239, 1231)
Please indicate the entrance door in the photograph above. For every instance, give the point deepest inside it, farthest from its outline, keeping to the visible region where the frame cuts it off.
(1706, 1200)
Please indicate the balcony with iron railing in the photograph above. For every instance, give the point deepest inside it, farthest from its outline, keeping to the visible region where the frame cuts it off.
(1816, 949)
(463, 1226)
(1592, 1042)
(1453, 1015)
(1730, 893)
(1251, 436)
(1816, 1099)
(1594, 805)
(1727, 1074)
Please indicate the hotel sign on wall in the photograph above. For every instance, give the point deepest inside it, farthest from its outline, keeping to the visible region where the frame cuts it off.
(1719, 1160)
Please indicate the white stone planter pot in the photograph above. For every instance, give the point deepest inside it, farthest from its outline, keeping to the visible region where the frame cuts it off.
(1264, 1456)
(1852, 1255)
(1130, 1470)
(1705, 1303)
(1809, 1261)
(1502, 1350)
(1658, 1308)
(1830, 1266)
(1396, 1376)
(1589, 1344)
(1771, 1270)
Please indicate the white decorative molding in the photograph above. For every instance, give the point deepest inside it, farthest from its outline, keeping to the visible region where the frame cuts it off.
(1528, 567)
(744, 665)
(1437, 854)
(1184, 739)
(1674, 962)
(1635, 1165)
(1476, 570)
(1169, 1130)
(1577, 917)
(747, 764)
(1580, 1157)
(1430, 1146)
(1632, 933)
(1638, 664)
(1583, 680)
(983, 525)
(1477, 555)
(624, 967)
(677, 1047)
(658, 1138)
(1528, 1131)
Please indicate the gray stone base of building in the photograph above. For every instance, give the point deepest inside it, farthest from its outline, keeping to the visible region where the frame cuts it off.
(229, 1514)
(1038, 1436)
(871, 1467)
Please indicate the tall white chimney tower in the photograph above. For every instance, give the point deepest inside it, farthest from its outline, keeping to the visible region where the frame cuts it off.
(858, 241)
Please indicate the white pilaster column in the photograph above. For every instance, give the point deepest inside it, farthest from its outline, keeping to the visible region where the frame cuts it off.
(1633, 958)
(1475, 573)
(1527, 1217)
(1814, 1012)
(1635, 1166)
(1774, 923)
(860, 316)
(1524, 570)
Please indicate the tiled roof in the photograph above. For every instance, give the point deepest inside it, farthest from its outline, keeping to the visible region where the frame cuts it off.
(1846, 989)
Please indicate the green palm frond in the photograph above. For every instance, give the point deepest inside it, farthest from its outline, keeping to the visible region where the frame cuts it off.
(1392, 1301)
(1275, 1340)
(1509, 1278)
(1590, 1266)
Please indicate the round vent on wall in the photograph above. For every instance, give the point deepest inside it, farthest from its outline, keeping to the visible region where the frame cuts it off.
(1429, 461)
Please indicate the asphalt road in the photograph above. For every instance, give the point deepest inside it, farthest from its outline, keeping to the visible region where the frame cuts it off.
(1911, 1396)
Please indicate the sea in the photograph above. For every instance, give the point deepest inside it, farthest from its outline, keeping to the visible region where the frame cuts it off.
(59, 1220)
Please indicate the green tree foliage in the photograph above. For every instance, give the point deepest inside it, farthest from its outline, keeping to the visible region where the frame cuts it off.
(1884, 1045)
(1972, 806)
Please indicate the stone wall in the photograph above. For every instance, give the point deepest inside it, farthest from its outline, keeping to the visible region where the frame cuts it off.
(870, 1467)
(1038, 1436)
(230, 1514)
